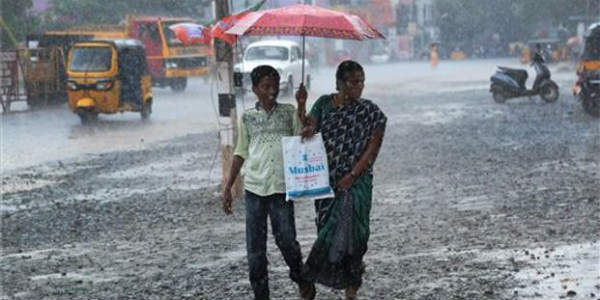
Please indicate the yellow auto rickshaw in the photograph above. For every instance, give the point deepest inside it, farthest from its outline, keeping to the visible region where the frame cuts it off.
(587, 87)
(108, 77)
(590, 58)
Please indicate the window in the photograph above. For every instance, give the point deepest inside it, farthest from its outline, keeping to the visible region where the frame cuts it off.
(295, 53)
(267, 53)
(90, 59)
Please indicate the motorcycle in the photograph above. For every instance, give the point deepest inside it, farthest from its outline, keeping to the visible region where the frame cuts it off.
(588, 92)
(509, 83)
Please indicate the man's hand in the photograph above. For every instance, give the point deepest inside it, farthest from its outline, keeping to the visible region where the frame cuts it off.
(227, 199)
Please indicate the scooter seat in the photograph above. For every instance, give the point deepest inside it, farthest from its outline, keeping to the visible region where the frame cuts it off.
(511, 69)
(519, 75)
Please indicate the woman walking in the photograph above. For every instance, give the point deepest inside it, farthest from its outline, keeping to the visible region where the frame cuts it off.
(352, 130)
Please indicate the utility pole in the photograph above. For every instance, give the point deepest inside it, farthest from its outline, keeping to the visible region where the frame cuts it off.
(224, 62)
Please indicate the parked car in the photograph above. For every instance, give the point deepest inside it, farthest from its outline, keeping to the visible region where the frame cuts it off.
(283, 55)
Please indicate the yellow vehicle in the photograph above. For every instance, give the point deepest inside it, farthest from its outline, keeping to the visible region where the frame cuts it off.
(108, 77)
(590, 58)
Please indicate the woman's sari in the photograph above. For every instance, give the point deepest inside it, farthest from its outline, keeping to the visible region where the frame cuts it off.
(335, 259)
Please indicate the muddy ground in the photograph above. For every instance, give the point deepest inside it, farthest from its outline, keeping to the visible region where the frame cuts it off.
(472, 200)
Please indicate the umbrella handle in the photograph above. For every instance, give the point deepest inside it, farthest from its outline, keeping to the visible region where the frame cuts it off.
(302, 79)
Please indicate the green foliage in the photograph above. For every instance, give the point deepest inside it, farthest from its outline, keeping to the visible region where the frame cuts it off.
(474, 21)
(18, 21)
(89, 12)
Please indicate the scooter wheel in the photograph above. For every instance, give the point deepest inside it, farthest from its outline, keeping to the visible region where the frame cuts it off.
(549, 92)
(499, 97)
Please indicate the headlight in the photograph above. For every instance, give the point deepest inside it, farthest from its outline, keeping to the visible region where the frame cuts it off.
(72, 85)
(104, 85)
(169, 64)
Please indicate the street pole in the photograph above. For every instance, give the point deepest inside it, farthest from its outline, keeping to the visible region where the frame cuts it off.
(224, 62)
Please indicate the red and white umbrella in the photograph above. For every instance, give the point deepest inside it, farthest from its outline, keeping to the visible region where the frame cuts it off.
(305, 20)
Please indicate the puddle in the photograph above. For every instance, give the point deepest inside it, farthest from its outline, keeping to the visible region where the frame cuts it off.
(552, 273)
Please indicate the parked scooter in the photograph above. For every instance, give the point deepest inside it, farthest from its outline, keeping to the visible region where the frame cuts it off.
(510, 83)
(588, 91)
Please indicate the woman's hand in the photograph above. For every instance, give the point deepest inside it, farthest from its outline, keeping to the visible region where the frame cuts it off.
(301, 96)
(307, 132)
(309, 129)
(346, 181)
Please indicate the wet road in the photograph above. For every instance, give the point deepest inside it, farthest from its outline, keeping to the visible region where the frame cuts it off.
(55, 133)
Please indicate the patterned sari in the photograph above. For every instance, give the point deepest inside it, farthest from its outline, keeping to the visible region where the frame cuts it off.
(343, 222)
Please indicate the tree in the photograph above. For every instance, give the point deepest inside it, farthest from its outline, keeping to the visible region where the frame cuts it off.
(17, 20)
(472, 22)
(67, 13)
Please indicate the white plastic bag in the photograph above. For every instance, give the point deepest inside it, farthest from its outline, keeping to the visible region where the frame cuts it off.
(305, 168)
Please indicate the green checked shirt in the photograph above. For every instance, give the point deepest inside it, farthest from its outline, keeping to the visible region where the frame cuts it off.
(259, 144)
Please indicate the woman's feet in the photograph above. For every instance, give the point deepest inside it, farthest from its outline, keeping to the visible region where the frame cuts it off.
(351, 293)
(307, 290)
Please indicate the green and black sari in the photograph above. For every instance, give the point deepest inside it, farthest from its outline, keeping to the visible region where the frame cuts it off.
(335, 259)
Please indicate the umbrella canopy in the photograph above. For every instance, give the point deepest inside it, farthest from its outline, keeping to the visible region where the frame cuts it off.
(305, 20)
(191, 33)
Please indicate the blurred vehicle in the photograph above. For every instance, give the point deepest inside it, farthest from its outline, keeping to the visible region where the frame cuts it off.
(339, 56)
(457, 54)
(44, 76)
(284, 55)
(589, 92)
(108, 77)
(587, 88)
(509, 83)
(551, 50)
(380, 53)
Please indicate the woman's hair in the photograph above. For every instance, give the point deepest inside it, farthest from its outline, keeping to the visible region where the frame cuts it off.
(262, 71)
(346, 67)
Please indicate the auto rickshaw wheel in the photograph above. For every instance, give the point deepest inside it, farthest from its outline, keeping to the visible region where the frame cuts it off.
(592, 106)
(499, 97)
(146, 110)
(87, 116)
(178, 85)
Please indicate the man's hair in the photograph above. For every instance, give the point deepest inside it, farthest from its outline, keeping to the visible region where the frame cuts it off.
(262, 71)
(345, 68)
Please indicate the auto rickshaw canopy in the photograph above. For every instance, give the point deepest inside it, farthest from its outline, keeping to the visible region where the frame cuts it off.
(591, 50)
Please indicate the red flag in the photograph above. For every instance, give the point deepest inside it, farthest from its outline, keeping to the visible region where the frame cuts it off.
(190, 33)
(218, 30)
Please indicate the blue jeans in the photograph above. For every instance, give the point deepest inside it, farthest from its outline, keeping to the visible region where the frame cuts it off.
(283, 226)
